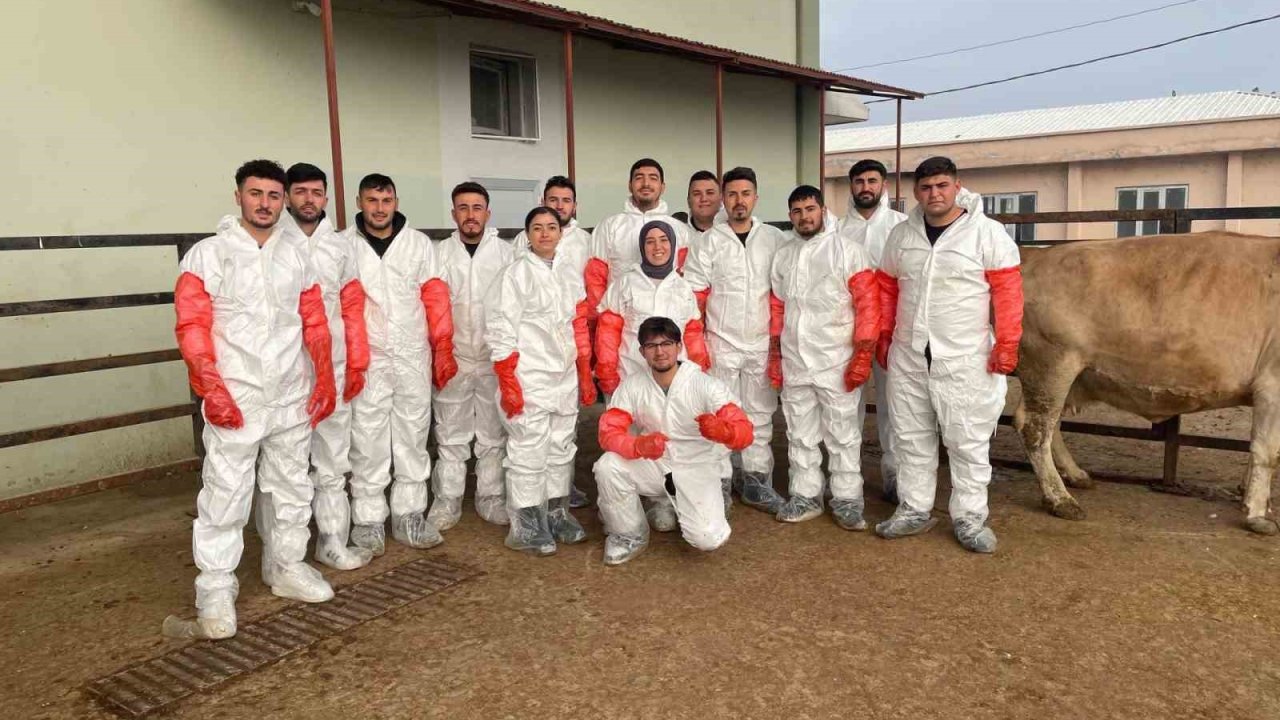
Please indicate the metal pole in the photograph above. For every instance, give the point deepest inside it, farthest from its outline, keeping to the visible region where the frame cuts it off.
(822, 137)
(719, 120)
(897, 162)
(335, 135)
(568, 100)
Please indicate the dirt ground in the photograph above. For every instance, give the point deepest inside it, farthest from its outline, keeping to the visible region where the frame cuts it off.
(1156, 606)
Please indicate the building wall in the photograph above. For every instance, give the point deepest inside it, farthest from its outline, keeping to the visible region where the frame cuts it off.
(1260, 186)
(759, 27)
(1205, 176)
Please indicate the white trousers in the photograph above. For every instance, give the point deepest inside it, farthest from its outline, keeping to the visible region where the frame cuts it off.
(822, 412)
(959, 396)
(541, 446)
(698, 501)
(467, 409)
(389, 423)
(745, 375)
(884, 423)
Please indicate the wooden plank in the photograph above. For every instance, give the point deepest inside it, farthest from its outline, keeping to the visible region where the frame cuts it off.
(70, 367)
(107, 483)
(80, 427)
(69, 242)
(103, 302)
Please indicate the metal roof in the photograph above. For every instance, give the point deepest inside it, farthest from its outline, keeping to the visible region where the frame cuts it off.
(1152, 112)
(531, 12)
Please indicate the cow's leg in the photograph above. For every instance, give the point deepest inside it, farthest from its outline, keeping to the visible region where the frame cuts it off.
(1264, 454)
(1044, 391)
(1067, 467)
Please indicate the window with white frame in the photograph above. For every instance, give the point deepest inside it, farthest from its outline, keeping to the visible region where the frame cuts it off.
(504, 95)
(1009, 203)
(1156, 197)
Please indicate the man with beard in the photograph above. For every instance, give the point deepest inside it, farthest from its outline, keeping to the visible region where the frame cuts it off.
(333, 261)
(826, 315)
(561, 196)
(867, 222)
(410, 326)
(467, 408)
(249, 315)
(729, 272)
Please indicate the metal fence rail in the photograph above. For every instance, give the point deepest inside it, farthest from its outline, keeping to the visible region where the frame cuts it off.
(1171, 221)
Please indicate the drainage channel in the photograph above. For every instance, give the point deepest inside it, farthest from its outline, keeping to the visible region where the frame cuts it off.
(155, 684)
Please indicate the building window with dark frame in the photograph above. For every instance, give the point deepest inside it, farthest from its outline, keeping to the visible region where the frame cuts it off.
(504, 95)
(1011, 203)
(1154, 197)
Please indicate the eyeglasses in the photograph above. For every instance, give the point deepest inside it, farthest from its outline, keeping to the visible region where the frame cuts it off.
(664, 345)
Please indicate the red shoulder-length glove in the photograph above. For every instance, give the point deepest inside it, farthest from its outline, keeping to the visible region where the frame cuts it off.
(194, 308)
(315, 336)
(357, 336)
(582, 339)
(866, 327)
(435, 299)
(512, 397)
(608, 339)
(695, 344)
(596, 277)
(701, 296)
(681, 255)
(777, 312)
(615, 437)
(888, 285)
(729, 426)
(1006, 297)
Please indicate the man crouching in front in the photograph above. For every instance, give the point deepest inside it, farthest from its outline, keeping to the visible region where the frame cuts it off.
(687, 423)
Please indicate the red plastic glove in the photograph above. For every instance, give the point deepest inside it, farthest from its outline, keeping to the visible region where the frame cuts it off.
(435, 299)
(888, 285)
(194, 308)
(866, 327)
(1006, 296)
(777, 316)
(651, 446)
(728, 426)
(596, 277)
(681, 255)
(512, 400)
(357, 337)
(315, 336)
(702, 296)
(695, 344)
(582, 340)
(608, 338)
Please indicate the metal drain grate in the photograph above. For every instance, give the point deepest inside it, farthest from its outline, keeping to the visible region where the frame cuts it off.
(153, 684)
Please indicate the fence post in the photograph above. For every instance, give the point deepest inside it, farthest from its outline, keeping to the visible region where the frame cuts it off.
(1170, 430)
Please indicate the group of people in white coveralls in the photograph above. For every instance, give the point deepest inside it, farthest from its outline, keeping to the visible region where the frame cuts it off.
(321, 354)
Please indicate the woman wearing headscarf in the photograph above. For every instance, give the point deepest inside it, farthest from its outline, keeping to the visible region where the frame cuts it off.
(652, 289)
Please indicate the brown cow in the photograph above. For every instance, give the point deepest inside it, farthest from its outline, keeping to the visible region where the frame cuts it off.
(1158, 326)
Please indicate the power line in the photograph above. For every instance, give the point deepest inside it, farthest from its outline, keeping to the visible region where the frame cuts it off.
(1095, 60)
(1020, 37)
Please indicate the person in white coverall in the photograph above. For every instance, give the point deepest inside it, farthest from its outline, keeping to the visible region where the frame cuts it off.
(867, 223)
(729, 270)
(467, 408)
(705, 206)
(561, 195)
(249, 313)
(536, 328)
(652, 289)
(943, 271)
(686, 423)
(826, 314)
(333, 261)
(410, 325)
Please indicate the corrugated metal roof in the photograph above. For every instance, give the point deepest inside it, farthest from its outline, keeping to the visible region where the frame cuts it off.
(1173, 110)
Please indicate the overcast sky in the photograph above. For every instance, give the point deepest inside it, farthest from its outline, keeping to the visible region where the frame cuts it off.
(862, 32)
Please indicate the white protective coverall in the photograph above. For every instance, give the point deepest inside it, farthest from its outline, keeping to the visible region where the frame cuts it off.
(536, 329)
(732, 280)
(467, 408)
(636, 297)
(614, 251)
(244, 322)
(332, 259)
(693, 460)
(391, 417)
(871, 235)
(825, 292)
(943, 297)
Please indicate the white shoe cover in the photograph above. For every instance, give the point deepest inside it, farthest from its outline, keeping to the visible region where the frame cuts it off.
(300, 581)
